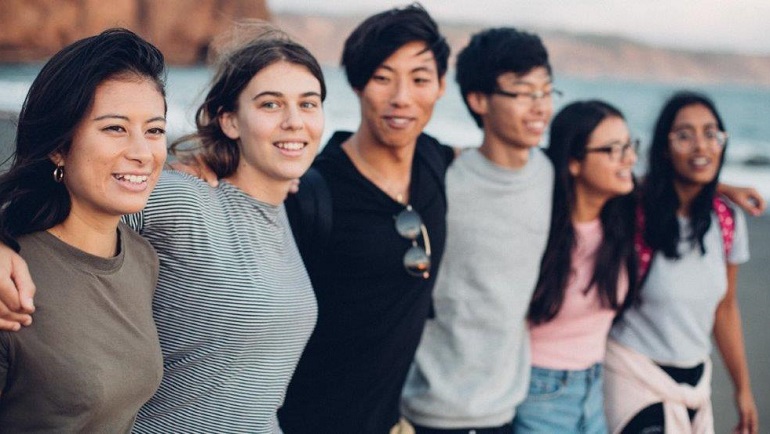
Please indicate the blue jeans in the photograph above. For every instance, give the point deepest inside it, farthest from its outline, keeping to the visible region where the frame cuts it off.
(563, 402)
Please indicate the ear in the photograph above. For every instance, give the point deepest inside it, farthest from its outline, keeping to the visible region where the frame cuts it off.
(574, 167)
(442, 86)
(57, 158)
(228, 121)
(478, 102)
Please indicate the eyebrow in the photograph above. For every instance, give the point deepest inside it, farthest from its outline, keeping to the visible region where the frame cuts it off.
(417, 69)
(281, 95)
(125, 118)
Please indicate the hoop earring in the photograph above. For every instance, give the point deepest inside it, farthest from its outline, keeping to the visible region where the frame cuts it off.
(58, 174)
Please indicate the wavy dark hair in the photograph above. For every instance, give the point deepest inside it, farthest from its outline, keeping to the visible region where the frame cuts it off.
(236, 67)
(659, 197)
(60, 96)
(570, 131)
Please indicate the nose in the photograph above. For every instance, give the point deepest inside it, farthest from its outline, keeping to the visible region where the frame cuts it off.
(140, 149)
(401, 93)
(293, 119)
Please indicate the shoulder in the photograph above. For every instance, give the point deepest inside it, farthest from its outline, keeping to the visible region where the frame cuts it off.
(177, 189)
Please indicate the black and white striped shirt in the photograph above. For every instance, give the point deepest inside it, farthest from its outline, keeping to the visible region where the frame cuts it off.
(234, 307)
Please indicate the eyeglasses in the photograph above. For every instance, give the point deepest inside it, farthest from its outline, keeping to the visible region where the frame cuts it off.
(529, 98)
(416, 260)
(686, 140)
(617, 151)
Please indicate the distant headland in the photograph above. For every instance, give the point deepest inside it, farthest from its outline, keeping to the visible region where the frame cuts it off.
(183, 30)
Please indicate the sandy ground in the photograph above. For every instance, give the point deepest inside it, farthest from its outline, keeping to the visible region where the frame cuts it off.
(754, 297)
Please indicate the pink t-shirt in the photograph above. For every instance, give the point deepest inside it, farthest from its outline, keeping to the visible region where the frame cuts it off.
(575, 338)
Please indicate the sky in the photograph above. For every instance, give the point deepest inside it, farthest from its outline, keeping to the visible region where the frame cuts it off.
(703, 25)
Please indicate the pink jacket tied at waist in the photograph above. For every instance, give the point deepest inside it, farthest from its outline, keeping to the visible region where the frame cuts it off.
(633, 382)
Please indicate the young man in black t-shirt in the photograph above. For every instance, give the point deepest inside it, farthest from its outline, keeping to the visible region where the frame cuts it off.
(373, 299)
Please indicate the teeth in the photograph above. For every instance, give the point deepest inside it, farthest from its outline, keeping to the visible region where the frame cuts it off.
(700, 161)
(290, 146)
(624, 173)
(399, 121)
(134, 179)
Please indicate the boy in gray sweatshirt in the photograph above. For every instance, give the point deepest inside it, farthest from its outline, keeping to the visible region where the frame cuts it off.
(472, 367)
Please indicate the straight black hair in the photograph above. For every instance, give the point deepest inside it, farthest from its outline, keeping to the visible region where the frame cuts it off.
(381, 35)
(60, 96)
(493, 52)
(570, 131)
(659, 197)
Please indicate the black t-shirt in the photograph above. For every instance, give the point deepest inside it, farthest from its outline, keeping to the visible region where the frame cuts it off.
(371, 312)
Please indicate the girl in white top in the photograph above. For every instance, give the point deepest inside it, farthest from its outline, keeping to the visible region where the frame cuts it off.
(690, 289)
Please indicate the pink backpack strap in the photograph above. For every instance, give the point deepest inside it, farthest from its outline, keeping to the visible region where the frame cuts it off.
(726, 223)
(643, 250)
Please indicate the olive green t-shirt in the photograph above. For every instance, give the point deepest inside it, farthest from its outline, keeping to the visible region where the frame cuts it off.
(91, 357)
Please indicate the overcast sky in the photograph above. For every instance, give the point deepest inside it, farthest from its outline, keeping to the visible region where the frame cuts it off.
(732, 25)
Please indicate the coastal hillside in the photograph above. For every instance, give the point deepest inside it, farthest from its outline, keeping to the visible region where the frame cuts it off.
(577, 55)
(33, 30)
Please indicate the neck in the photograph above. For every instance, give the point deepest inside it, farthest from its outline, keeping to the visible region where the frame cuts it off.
(98, 237)
(687, 194)
(387, 167)
(503, 154)
(587, 207)
(261, 188)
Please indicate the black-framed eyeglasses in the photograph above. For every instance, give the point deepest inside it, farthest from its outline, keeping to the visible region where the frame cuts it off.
(416, 260)
(617, 151)
(529, 98)
(686, 140)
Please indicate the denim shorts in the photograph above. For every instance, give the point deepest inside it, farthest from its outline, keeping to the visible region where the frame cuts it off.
(563, 402)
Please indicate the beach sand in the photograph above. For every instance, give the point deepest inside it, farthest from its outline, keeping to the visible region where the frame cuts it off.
(754, 298)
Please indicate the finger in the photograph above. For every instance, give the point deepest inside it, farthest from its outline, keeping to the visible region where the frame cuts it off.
(294, 186)
(9, 295)
(206, 173)
(9, 326)
(19, 318)
(24, 284)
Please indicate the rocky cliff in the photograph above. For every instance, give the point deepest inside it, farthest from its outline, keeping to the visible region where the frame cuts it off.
(32, 30)
(576, 55)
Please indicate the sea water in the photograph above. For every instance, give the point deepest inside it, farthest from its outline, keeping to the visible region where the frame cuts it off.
(744, 109)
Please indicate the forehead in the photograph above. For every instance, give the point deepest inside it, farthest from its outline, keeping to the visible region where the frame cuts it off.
(694, 115)
(410, 56)
(536, 77)
(128, 94)
(286, 77)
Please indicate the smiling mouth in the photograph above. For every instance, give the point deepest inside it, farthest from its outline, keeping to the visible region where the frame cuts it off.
(290, 146)
(133, 179)
(398, 121)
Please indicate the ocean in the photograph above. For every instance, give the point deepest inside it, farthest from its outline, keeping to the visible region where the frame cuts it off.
(745, 110)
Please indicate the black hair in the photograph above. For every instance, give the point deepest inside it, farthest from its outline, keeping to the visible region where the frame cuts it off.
(570, 132)
(493, 52)
(235, 70)
(659, 197)
(60, 96)
(381, 35)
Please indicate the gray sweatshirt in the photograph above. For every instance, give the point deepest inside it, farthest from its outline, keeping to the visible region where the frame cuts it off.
(472, 366)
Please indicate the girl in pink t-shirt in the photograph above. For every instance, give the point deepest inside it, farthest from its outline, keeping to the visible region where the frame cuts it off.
(584, 277)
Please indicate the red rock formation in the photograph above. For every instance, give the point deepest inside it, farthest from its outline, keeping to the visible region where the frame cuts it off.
(182, 29)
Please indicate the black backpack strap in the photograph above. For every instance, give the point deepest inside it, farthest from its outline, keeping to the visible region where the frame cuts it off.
(310, 216)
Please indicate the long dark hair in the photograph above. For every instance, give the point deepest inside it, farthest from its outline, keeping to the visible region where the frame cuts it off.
(59, 98)
(659, 197)
(570, 131)
(236, 68)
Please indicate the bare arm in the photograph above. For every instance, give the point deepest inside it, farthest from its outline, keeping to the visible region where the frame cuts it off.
(747, 198)
(728, 334)
(16, 291)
